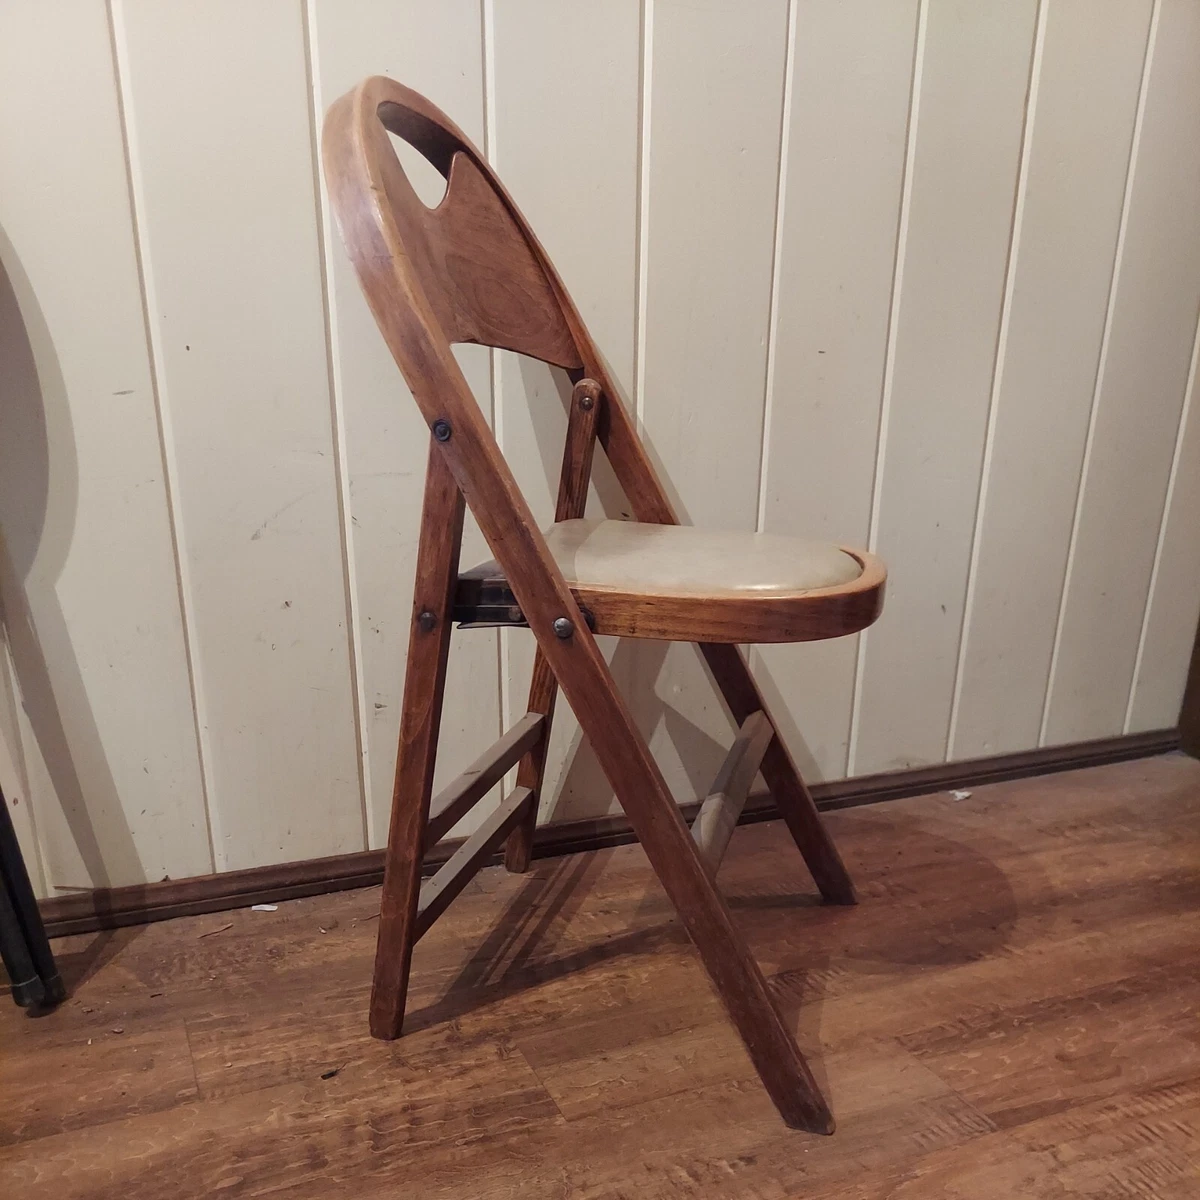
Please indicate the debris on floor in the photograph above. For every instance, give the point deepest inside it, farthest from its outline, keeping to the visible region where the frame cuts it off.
(961, 795)
(219, 929)
(264, 907)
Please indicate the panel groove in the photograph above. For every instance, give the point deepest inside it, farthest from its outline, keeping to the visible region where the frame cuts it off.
(504, 655)
(1104, 344)
(1035, 71)
(910, 143)
(785, 125)
(162, 413)
(645, 82)
(337, 423)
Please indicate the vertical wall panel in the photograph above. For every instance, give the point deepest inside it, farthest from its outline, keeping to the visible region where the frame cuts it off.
(566, 146)
(221, 150)
(1174, 603)
(841, 197)
(716, 97)
(438, 51)
(1081, 126)
(716, 82)
(974, 75)
(1143, 376)
(90, 600)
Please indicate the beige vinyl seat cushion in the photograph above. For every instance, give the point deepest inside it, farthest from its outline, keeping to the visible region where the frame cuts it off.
(678, 560)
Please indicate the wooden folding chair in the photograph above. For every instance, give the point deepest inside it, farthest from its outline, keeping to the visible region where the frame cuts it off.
(471, 270)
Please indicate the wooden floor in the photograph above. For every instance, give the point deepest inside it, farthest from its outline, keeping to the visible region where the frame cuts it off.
(1010, 1013)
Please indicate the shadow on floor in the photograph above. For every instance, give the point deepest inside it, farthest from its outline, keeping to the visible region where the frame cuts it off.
(951, 904)
(533, 921)
(80, 963)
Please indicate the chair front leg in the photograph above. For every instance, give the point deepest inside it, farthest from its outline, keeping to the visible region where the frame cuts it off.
(420, 720)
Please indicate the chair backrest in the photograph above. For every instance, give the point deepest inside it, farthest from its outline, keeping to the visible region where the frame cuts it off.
(469, 270)
(473, 256)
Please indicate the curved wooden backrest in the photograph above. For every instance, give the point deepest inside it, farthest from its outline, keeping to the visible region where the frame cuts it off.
(469, 270)
(473, 258)
(473, 255)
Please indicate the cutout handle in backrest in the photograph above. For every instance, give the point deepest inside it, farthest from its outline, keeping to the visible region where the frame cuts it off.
(473, 256)
(469, 269)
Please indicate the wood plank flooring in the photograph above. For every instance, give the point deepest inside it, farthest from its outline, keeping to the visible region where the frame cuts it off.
(1012, 1012)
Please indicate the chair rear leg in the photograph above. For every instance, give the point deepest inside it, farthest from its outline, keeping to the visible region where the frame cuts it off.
(421, 717)
(543, 690)
(791, 795)
(583, 414)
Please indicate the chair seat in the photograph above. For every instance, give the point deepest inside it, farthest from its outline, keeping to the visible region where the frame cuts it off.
(679, 560)
(677, 583)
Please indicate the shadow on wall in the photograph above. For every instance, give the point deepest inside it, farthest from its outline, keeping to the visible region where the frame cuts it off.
(38, 500)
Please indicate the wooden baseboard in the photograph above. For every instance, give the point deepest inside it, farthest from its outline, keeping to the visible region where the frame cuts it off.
(108, 908)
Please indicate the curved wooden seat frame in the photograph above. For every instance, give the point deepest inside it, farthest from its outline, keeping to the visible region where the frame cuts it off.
(472, 271)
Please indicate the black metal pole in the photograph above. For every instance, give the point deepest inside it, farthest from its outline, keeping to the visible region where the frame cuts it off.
(27, 988)
(21, 922)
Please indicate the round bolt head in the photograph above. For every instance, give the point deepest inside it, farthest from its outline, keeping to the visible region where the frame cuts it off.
(441, 430)
(563, 628)
(586, 402)
(427, 620)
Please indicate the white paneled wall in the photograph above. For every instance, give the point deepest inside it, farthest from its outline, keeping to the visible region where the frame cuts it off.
(1066, 223)
(967, 120)
(1142, 377)
(841, 184)
(917, 274)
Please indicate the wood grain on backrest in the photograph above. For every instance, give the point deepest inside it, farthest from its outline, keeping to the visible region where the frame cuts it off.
(472, 254)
